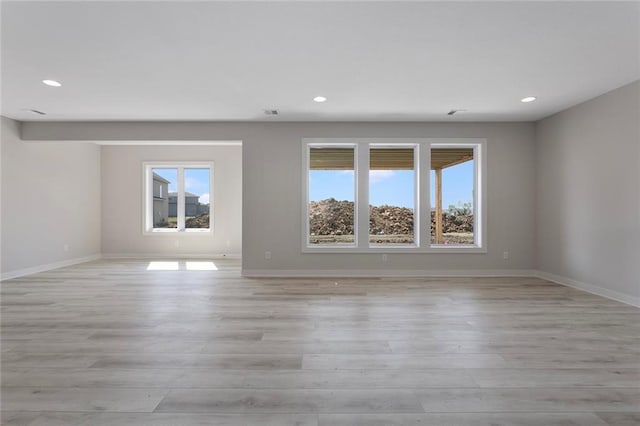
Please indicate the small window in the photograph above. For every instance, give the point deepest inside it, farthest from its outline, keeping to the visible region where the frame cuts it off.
(197, 192)
(178, 197)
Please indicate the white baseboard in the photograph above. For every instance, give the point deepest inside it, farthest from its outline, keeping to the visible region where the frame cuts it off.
(369, 273)
(47, 267)
(170, 256)
(589, 288)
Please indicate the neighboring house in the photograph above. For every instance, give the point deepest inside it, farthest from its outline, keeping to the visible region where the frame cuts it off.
(160, 201)
(192, 206)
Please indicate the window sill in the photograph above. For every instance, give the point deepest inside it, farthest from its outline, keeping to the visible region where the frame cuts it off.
(175, 232)
(405, 249)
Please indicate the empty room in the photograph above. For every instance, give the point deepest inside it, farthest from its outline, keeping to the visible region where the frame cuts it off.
(320, 213)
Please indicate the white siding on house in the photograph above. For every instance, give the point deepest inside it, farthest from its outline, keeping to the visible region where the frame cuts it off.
(160, 201)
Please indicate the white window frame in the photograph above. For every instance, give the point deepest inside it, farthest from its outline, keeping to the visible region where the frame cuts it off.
(416, 195)
(357, 190)
(147, 198)
(422, 221)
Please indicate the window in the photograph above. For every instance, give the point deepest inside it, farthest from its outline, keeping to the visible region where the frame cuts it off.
(369, 195)
(331, 195)
(392, 195)
(452, 199)
(177, 197)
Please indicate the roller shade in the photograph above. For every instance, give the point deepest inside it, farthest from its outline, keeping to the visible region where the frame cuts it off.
(332, 158)
(441, 158)
(391, 159)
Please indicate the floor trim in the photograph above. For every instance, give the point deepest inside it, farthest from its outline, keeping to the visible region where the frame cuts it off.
(589, 288)
(170, 256)
(48, 266)
(369, 273)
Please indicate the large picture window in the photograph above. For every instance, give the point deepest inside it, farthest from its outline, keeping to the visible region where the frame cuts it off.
(392, 195)
(178, 197)
(370, 195)
(452, 195)
(331, 195)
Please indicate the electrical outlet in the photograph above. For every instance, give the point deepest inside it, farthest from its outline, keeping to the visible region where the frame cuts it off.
(267, 255)
(385, 257)
(505, 255)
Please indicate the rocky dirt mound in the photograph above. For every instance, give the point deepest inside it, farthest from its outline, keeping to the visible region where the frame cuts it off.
(454, 223)
(390, 220)
(333, 217)
(200, 221)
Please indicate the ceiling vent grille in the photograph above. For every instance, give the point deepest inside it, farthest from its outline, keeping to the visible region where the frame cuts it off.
(35, 111)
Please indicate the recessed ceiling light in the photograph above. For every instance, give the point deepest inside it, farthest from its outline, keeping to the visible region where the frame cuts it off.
(319, 99)
(52, 83)
(528, 99)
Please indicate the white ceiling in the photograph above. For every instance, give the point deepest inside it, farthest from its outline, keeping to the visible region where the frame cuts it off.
(378, 61)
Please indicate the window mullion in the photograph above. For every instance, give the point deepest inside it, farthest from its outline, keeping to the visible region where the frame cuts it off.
(362, 195)
(149, 191)
(424, 196)
(181, 199)
(478, 228)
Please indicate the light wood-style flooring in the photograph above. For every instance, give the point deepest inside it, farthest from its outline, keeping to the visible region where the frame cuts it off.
(112, 343)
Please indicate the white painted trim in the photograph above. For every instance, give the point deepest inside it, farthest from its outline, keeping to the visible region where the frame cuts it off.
(151, 142)
(422, 212)
(48, 266)
(369, 273)
(177, 256)
(397, 249)
(147, 198)
(589, 288)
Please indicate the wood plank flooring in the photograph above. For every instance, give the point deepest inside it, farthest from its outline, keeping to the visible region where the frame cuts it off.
(112, 343)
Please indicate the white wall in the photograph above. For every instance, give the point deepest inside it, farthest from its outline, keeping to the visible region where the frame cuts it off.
(273, 218)
(122, 202)
(271, 171)
(50, 198)
(588, 195)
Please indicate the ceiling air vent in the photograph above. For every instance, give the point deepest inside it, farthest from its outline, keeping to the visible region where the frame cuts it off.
(270, 112)
(35, 111)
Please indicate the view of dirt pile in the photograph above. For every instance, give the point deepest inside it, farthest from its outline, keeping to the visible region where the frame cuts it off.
(332, 221)
(200, 221)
